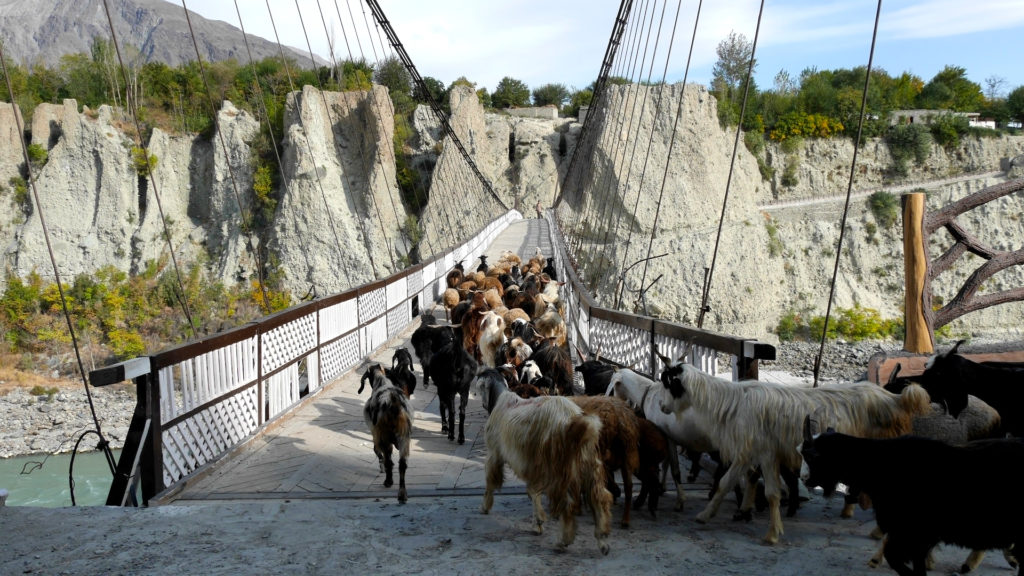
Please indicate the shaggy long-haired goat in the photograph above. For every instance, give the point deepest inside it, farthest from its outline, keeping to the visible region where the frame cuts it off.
(389, 417)
(552, 446)
(760, 424)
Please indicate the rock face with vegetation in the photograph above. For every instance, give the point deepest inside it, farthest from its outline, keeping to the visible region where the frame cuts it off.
(101, 210)
(339, 221)
(775, 260)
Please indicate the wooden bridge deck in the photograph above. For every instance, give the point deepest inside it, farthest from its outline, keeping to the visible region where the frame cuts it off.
(323, 449)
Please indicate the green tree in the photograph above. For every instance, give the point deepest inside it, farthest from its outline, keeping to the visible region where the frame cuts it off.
(576, 100)
(511, 93)
(730, 73)
(1015, 104)
(484, 97)
(555, 94)
(951, 90)
(434, 88)
(392, 73)
(356, 75)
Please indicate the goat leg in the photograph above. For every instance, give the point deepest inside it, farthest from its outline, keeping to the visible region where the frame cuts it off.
(462, 418)
(402, 465)
(389, 465)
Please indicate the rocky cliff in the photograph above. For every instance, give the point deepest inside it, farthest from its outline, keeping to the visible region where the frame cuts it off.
(774, 257)
(340, 220)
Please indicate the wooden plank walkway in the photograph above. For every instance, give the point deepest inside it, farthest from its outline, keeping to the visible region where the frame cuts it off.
(323, 448)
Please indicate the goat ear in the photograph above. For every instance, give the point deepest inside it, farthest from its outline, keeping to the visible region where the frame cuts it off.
(955, 348)
(894, 373)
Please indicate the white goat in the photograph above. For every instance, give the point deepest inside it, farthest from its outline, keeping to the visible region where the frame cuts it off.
(492, 336)
(760, 424)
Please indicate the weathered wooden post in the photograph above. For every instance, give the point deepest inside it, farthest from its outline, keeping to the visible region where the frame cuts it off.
(919, 338)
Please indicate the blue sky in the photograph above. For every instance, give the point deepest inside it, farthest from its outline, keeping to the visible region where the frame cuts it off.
(540, 42)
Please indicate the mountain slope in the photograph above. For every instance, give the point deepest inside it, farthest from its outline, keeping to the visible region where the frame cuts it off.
(45, 30)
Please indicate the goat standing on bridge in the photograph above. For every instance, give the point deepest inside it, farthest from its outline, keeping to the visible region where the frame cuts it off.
(389, 417)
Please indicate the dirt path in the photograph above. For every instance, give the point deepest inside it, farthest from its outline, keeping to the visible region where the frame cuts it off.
(441, 535)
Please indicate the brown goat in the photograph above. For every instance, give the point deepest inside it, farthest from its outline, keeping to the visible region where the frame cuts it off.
(653, 452)
(618, 443)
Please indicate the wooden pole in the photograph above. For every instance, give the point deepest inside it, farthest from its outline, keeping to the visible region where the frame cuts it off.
(918, 338)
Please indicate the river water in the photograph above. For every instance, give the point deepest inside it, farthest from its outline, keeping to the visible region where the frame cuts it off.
(48, 485)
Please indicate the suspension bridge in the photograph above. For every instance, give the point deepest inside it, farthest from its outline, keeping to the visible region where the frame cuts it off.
(269, 410)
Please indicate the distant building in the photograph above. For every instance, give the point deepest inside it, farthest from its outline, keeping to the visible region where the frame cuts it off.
(925, 117)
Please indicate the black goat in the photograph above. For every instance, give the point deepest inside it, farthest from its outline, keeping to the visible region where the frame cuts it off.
(453, 370)
(554, 362)
(402, 377)
(949, 378)
(596, 376)
(427, 341)
(984, 474)
(483, 264)
(550, 270)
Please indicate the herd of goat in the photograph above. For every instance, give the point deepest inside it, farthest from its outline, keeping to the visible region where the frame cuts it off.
(901, 449)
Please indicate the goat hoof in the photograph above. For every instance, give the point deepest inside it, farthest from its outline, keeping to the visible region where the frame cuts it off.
(744, 515)
(605, 548)
(402, 496)
(462, 440)
(874, 563)
(388, 483)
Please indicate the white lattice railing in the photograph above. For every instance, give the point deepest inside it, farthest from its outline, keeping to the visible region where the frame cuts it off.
(635, 341)
(205, 398)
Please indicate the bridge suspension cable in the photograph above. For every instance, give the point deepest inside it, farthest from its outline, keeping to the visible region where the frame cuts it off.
(590, 130)
(709, 275)
(380, 160)
(444, 208)
(418, 191)
(599, 202)
(373, 199)
(849, 193)
(396, 44)
(231, 172)
(602, 271)
(183, 297)
(103, 444)
(647, 155)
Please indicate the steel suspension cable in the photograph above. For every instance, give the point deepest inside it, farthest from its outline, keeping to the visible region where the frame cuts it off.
(373, 200)
(260, 97)
(231, 171)
(596, 196)
(102, 444)
(668, 158)
(365, 161)
(589, 130)
(849, 193)
(309, 146)
(599, 198)
(152, 178)
(443, 207)
(709, 276)
(611, 183)
(636, 141)
(389, 31)
(618, 69)
(420, 200)
(650, 142)
(621, 19)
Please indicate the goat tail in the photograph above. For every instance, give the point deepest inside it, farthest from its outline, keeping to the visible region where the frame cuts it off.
(583, 461)
(915, 400)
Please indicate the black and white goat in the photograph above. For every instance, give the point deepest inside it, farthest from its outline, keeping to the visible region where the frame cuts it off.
(389, 416)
